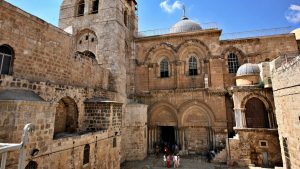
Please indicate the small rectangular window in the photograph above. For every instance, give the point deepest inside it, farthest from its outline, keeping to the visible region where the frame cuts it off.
(95, 6)
(114, 142)
(263, 143)
(86, 154)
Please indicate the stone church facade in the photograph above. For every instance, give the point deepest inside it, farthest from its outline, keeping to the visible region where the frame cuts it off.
(98, 93)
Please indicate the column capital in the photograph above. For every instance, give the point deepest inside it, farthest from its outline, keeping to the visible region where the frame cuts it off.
(241, 109)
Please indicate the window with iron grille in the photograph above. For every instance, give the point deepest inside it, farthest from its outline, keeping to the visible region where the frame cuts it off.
(86, 154)
(164, 68)
(193, 70)
(80, 8)
(233, 63)
(6, 57)
(95, 6)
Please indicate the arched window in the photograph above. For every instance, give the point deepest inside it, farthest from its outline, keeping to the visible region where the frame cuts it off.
(86, 154)
(95, 6)
(256, 114)
(80, 8)
(89, 54)
(66, 118)
(164, 68)
(233, 63)
(193, 70)
(125, 17)
(6, 58)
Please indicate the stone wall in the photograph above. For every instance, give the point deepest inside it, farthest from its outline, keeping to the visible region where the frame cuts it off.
(114, 36)
(210, 52)
(61, 153)
(134, 142)
(286, 95)
(43, 52)
(99, 116)
(199, 117)
(259, 147)
(54, 93)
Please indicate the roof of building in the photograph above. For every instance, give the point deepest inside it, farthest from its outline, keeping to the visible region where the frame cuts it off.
(185, 24)
(297, 33)
(248, 69)
(20, 95)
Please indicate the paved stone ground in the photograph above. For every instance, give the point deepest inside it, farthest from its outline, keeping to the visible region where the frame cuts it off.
(196, 162)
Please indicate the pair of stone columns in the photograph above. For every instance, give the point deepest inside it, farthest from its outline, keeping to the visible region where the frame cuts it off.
(240, 118)
(154, 137)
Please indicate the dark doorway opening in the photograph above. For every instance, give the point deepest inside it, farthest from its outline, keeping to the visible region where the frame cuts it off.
(168, 135)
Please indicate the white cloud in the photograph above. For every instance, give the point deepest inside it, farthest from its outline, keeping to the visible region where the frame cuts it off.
(293, 14)
(166, 6)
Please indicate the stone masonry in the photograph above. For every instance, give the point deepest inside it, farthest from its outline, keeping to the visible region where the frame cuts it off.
(286, 95)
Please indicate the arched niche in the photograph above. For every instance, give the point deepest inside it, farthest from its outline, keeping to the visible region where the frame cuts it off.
(199, 110)
(66, 118)
(163, 115)
(86, 40)
(195, 116)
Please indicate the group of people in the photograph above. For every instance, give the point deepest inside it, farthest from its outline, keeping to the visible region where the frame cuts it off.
(171, 160)
(171, 157)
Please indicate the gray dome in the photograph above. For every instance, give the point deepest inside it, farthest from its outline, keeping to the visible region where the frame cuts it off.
(248, 69)
(19, 94)
(185, 25)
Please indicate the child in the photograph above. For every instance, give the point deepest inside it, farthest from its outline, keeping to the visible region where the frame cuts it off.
(169, 159)
(175, 158)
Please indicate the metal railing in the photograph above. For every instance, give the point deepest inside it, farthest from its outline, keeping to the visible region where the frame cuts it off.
(224, 36)
(256, 33)
(286, 58)
(156, 32)
(8, 147)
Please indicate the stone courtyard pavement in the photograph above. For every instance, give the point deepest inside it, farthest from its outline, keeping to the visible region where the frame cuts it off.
(185, 163)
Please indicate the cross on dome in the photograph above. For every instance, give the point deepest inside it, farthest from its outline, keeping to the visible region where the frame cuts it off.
(184, 13)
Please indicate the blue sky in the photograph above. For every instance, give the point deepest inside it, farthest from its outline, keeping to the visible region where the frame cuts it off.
(230, 15)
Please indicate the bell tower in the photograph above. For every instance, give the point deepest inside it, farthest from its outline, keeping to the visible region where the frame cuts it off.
(104, 30)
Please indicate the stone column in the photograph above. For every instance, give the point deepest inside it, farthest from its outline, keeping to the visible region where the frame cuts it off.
(271, 119)
(239, 118)
(175, 133)
(155, 135)
(178, 136)
(152, 140)
(244, 123)
(183, 139)
(149, 140)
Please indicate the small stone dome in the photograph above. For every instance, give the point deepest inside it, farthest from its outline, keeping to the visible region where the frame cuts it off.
(19, 95)
(185, 25)
(248, 69)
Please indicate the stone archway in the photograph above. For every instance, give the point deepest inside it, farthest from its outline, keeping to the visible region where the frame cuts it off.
(256, 114)
(163, 122)
(259, 109)
(66, 118)
(196, 131)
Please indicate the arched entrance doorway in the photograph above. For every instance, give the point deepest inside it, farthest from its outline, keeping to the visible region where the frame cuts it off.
(196, 130)
(163, 127)
(256, 114)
